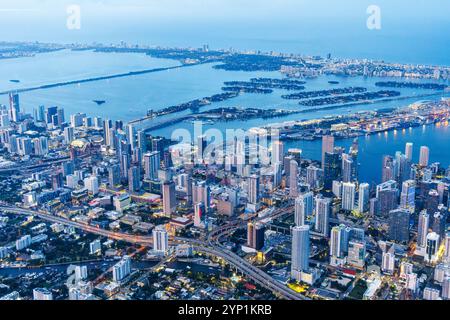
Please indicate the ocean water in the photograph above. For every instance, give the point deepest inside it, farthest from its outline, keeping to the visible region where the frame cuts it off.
(130, 97)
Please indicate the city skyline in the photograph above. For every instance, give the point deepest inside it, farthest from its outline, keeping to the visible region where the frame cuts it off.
(146, 170)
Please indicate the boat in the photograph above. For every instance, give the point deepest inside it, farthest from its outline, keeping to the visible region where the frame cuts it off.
(99, 102)
(14, 80)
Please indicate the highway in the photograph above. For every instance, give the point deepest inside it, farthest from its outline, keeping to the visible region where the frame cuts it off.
(212, 247)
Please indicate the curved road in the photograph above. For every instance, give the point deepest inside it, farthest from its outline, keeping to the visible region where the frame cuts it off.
(254, 273)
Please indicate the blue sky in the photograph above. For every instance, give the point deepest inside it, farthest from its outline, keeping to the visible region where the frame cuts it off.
(312, 26)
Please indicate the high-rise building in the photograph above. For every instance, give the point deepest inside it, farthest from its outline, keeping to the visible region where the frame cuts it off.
(399, 225)
(422, 229)
(323, 209)
(432, 247)
(348, 196)
(14, 107)
(424, 156)
(388, 262)
(114, 175)
(300, 249)
(363, 197)
(169, 198)
(201, 193)
(277, 151)
(348, 169)
(338, 243)
(356, 253)
(409, 151)
(151, 165)
(253, 189)
(199, 214)
(304, 206)
(134, 179)
(160, 239)
(255, 235)
(91, 183)
(327, 147)
(332, 168)
(293, 178)
(407, 197)
(314, 177)
(440, 222)
(68, 135)
(122, 269)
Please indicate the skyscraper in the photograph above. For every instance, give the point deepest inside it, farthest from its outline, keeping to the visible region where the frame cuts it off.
(424, 156)
(348, 196)
(300, 249)
(322, 215)
(151, 165)
(422, 229)
(68, 134)
(134, 179)
(432, 247)
(277, 151)
(304, 206)
(332, 168)
(169, 199)
(399, 225)
(253, 189)
(122, 269)
(160, 239)
(114, 175)
(199, 214)
(327, 147)
(255, 235)
(14, 107)
(293, 176)
(409, 151)
(407, 197)
(363, 199)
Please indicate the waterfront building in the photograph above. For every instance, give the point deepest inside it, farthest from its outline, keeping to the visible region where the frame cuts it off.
(409, 151)
(332, 168)
(327, 147)
(424, 156)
